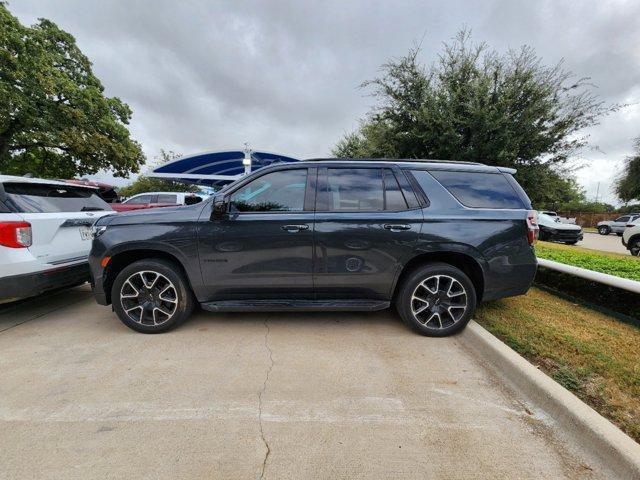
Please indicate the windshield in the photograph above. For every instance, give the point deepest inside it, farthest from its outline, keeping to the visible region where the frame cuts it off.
(546, 218)
(42, 198)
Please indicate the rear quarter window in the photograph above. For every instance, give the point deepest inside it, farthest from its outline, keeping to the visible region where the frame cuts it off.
(480, 189)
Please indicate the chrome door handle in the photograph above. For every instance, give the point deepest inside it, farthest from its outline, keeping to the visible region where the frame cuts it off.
(294, 228)
(397, 228)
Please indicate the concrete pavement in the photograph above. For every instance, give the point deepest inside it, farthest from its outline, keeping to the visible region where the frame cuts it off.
(334, 395)
(606, 243)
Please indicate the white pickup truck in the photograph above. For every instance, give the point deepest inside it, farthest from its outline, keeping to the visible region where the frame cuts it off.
(45, 234)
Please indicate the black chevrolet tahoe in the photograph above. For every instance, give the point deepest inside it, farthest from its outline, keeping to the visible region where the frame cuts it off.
(432, 237)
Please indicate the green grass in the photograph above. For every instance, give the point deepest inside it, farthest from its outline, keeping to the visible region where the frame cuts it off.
(625, 266)
(590, 353)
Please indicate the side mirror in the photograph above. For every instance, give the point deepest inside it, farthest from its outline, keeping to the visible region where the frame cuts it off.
(220, 209)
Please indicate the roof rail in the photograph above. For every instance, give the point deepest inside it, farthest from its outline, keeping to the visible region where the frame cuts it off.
(394, 160)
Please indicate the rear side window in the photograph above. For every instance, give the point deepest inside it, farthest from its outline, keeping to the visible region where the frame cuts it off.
(480, 190)
(40, 198)
(355, 189)
(394, 199)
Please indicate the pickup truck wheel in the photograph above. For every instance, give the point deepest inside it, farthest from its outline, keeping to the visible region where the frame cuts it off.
(151, 296)
(604, 230)
(635, 248)
(436, 300)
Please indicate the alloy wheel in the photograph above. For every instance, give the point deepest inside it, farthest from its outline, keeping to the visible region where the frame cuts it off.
(439, 301)
(149, 298)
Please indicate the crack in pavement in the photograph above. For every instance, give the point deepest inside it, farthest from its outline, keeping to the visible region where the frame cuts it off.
(260, 394)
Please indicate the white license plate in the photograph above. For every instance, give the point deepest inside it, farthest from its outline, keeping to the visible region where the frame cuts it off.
(85, 233)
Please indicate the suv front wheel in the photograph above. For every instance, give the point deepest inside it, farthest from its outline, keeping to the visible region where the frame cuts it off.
(436, 300)
(604, 230)
(151, 296)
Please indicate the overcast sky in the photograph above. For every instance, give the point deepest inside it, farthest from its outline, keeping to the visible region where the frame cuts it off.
(283, 75)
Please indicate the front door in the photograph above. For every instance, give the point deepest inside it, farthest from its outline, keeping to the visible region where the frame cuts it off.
(364, 232)
(262, 249)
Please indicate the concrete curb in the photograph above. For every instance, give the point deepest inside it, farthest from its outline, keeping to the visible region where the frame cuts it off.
(592, 431)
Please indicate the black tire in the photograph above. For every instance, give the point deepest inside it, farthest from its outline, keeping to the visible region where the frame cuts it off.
(178, 302)
(407, 304)
(604, 230)
(635, 248)
(619, 234)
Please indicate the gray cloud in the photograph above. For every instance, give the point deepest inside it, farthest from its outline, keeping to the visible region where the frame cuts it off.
(283, 75)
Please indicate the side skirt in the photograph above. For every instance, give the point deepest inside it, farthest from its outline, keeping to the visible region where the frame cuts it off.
(292, 305)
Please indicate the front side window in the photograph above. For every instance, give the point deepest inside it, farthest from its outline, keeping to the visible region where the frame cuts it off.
(622, 220)
(281, 191)
(479, 189)
(140, 199)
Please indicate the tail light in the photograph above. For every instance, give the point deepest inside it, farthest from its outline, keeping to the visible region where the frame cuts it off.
(15, 234)
(532, 226)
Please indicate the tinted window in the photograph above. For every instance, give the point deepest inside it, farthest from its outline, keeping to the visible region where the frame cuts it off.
(622, 219)
(354, 189)
(480, 190)
(39, 198)
(394, 199)
(140, 199)
(192, 199)
(166, 198)
(274, 192)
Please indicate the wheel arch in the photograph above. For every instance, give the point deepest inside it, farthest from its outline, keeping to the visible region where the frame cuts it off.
(122, 259)
(464, 261)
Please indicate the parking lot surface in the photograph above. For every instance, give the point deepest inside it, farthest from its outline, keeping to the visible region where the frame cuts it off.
(332, 395)
(606, 243)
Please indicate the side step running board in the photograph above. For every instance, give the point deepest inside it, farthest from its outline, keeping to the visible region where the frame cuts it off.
(292, 305)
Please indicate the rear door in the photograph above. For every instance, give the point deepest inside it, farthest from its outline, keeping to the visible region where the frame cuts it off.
(365, 229)
(60, 218)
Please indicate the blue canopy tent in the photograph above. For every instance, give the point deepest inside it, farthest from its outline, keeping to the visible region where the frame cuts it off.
(213, 169)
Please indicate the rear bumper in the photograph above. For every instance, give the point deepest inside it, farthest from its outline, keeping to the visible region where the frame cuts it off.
(26, 285)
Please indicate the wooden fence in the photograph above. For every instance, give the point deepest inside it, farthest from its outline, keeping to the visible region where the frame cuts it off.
(589, 219)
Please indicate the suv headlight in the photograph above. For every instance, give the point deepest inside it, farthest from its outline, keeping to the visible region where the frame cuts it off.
(96, 231)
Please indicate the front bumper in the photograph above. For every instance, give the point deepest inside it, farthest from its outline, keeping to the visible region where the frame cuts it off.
(26, 285)
(563, 235)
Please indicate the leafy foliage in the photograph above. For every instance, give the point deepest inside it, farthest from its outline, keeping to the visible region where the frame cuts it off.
(55, 120)
(628, 183)
(624, 266)
(474, 104)
(148, 184)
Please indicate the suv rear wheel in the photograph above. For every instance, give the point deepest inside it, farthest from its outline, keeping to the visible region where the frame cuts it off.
(604, 230)
(436, 300)
(635, 247)
(151, 296)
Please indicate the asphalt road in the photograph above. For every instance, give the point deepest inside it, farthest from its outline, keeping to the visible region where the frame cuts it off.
(606, 243)
(336, 396)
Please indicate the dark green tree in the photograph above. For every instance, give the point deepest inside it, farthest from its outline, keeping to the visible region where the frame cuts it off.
(55, 120)
(627, 185)
(474, 104)
(149, 184)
